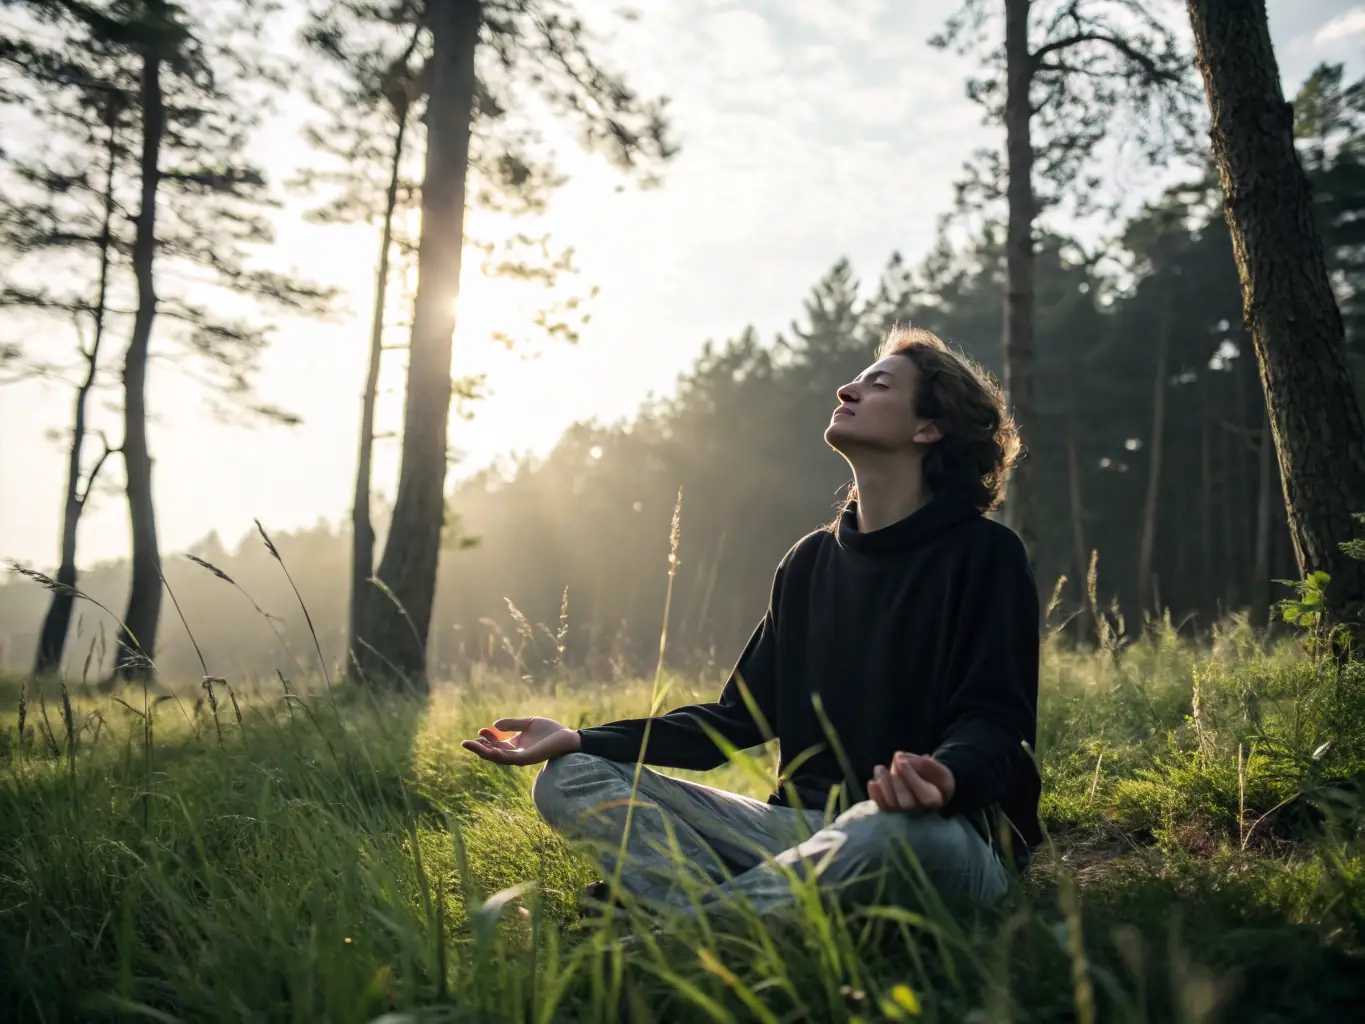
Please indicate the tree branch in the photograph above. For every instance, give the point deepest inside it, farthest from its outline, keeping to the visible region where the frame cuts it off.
(1067, 69)
(1142, 60)
(95, 469)
(218, 181)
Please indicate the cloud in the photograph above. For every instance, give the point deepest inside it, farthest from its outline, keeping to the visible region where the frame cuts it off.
(794, 149)
(1343, 26)
(858, 21)
(809, 129)
(743, 44)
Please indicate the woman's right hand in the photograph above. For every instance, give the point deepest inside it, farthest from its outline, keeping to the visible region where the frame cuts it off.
(523, 741)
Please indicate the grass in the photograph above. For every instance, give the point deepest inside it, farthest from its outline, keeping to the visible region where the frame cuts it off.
(332, 856)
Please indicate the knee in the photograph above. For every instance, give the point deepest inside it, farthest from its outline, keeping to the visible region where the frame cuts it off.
(939, 844)
(562, 784)
(934, 841)
(906, 850)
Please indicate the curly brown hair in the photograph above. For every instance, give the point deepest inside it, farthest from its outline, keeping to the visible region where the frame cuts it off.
(980, 442)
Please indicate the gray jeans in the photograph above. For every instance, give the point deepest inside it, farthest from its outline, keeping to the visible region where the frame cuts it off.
(740, 848)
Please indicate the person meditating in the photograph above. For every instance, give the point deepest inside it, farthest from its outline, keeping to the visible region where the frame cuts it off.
(897, 667)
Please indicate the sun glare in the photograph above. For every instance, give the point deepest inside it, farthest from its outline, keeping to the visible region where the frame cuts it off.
(525, 407)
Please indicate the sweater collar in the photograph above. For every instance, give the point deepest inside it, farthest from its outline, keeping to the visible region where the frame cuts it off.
(932, 518)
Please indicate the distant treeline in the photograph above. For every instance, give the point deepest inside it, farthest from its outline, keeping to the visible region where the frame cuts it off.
(1140, 349)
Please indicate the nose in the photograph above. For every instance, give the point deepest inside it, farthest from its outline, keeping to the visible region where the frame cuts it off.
(848, 393)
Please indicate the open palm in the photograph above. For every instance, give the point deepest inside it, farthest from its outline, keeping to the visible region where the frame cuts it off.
(523, 741)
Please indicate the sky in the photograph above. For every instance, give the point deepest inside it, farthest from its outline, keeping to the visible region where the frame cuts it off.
(809, 130)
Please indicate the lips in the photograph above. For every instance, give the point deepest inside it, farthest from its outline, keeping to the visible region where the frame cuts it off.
(843, 410)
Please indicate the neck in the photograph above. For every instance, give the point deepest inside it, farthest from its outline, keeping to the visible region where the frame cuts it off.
(888, 492)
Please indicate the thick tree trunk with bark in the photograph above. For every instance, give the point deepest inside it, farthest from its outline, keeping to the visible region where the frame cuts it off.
(393, 635)
(1151, 504)
(57, 621)
(1022, 498)
(1287, 297)
(362, 528)
(137, 639)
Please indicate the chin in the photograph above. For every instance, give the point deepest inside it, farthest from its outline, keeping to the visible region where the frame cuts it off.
(838, 436)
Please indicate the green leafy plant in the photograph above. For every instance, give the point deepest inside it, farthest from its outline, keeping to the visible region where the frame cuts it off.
(1305, 607)
(1355, 547)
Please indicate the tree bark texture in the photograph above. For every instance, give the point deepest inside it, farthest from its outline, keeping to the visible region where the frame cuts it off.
(137, 638)
(57, 621)
(362, 528)
(1151, 505)
(1287, 298)
(1017, 341)
(393, 638)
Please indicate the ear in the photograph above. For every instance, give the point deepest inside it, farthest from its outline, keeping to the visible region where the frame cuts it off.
(928, 433)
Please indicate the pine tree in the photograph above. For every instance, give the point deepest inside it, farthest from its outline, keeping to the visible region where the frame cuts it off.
(185, 92)
(485, 57)
(372, 105)
(1059, 77)
(61, 209)
(1287, 296)
(835, 337)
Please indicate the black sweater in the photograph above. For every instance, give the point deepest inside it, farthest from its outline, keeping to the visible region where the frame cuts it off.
(921, 637)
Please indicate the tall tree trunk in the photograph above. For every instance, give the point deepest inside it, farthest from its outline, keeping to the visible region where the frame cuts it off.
(1245, 452)
(362, 528)
(1232, 568)
(1287, 297)
(1206, 595)
(1017, 342)
(1181, 580)
(137, 638)
(57, 621)
(1147, 543)
(1260, 583)
(393, 637)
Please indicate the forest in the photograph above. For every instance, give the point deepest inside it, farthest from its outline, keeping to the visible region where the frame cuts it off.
(1153, 447)
(1188, 378)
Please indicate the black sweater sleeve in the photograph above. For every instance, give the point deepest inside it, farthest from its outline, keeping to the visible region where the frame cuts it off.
(679, 739)
(992, 706)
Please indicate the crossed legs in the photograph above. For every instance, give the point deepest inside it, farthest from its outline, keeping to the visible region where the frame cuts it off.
(738, 847)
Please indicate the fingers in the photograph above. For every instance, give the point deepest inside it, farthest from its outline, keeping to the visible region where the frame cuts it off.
(936, 773)
(905, 795)
(892, 792)
(923, 793)
(480, 747)
(496, 738)
(880, 792)
(498, 755)
(496, 743)
(902, 788)
(878, 795)
(923, 766)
